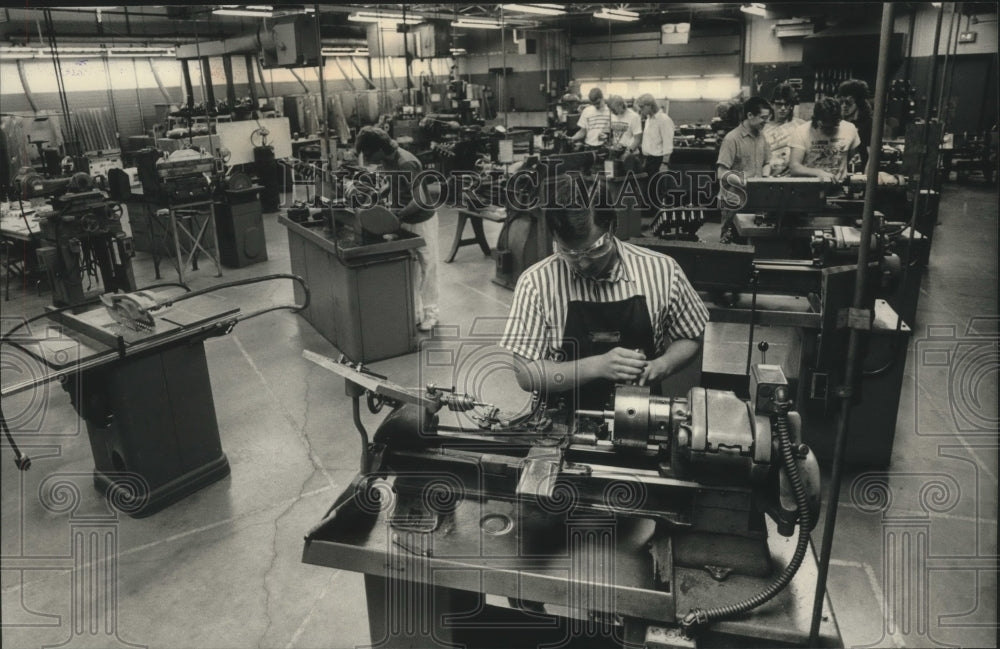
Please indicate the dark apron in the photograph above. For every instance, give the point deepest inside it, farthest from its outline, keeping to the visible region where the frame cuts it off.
(594, 328)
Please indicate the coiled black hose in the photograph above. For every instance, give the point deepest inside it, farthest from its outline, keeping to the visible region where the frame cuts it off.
(699, 617)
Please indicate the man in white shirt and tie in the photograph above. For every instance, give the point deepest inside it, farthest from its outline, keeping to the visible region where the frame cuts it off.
(657, 142)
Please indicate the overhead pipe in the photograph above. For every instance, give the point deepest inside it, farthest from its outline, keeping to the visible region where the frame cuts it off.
(861, 309)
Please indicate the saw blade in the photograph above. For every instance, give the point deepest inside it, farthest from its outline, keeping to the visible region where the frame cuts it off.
(132, 310)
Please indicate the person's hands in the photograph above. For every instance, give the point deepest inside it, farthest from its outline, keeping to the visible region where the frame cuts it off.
(735, 179)
(826, 177)
(621, 365)
(656, 370)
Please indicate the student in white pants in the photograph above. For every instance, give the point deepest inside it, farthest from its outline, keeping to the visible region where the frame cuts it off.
(375, 147)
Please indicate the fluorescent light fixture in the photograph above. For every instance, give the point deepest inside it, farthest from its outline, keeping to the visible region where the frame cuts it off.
(344, 51)
(540, 9)
(476, 23)
(458, 51)
(623, 15)
(754, 9)
(70, 51)
(379, 17)
(17, 53)
(246, 12)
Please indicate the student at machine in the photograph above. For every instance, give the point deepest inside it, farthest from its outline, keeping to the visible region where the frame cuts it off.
(626, 126)
(375, 147)
(822, 147)
(744, 153)
(595, 120)
(854, 108)
(783, 123)
(599, 311)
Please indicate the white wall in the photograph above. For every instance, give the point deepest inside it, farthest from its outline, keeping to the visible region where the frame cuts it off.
(764, 47)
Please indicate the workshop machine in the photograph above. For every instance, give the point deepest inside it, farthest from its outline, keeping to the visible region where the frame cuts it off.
(82, 236)
(135, 370)
(525, 238)
(804, 305)
(659, 521)
(185, 175)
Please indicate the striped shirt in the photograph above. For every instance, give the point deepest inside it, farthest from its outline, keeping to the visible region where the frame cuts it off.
(544, 291)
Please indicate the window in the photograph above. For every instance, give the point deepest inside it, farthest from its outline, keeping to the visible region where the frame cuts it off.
(617, 88)
(682, 89)
(654, 88)
(719, 88)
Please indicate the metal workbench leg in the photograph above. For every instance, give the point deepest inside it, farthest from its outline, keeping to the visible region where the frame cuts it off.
(215, 239)
(151, 224)
(477, 227)
(457, 242)
(177, 247)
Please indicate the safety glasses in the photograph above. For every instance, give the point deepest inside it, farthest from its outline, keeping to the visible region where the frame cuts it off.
(593, 251)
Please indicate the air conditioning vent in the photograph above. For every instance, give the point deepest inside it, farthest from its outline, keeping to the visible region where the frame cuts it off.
(794, 28)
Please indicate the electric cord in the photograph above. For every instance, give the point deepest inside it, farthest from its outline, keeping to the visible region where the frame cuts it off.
(22, 461)
(698, 618)
(294, 308)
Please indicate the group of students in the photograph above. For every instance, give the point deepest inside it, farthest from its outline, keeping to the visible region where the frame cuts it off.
(780, 144)
(614, 125)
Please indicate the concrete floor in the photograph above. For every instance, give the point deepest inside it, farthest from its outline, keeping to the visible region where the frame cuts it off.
(915, 552)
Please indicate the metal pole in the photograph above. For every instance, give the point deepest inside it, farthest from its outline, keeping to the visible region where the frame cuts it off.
(860, 306)
(932, 73)
(503, 62)
(325, 131)
(944, 66)
(950, 67)
(922, 180)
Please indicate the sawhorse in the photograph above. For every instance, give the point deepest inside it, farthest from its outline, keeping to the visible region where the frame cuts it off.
(476, 217)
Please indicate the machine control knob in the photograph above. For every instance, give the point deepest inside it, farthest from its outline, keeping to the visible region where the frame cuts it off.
(763, 347)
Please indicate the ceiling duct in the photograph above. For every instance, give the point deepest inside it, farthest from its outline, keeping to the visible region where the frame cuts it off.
(287, 42)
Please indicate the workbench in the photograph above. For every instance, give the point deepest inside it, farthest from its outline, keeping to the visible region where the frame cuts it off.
(145, 397)
(157, 233)
(598, 580)
(20, 234)
(362, 294)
